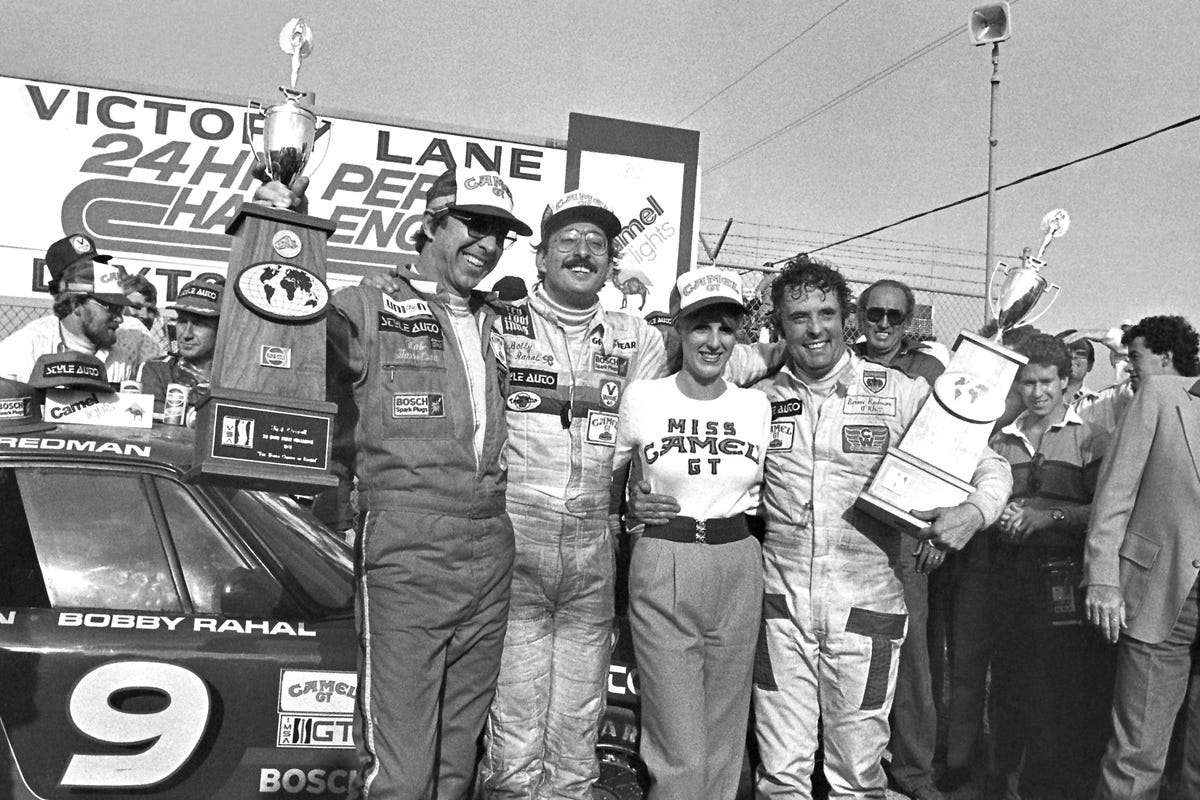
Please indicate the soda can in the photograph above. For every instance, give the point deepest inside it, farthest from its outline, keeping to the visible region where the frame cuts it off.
(175, 404)
(131, 386)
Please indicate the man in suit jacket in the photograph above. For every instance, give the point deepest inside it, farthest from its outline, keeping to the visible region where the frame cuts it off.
(1140, 570)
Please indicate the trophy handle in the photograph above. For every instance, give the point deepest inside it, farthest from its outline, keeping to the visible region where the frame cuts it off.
(994, 302)
(1046, 307)
(254, 110)
(320, 148)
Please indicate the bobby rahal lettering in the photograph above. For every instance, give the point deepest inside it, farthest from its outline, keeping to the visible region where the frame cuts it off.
(532, 378)
(792, 407)
(691, 437)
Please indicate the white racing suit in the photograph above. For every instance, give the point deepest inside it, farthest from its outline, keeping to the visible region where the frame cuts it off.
(833, 607)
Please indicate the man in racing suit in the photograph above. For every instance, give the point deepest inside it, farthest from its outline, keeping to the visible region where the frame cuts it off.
(833, 611)
(421, 424)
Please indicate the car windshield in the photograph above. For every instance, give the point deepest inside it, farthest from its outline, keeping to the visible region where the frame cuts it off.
(322, 570)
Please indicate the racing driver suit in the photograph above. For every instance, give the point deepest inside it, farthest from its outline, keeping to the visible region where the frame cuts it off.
(434, 557)
(833, 608)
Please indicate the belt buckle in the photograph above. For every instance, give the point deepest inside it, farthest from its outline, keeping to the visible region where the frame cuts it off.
(701, 531)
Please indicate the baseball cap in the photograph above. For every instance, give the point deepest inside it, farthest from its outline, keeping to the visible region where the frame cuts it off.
(575, 206)
(474, 191)
(100, 280)
(658, 318)
(71, 250)
(199, 297)
(704, 287)
(19, 409)
(69, 370)
(510, 289)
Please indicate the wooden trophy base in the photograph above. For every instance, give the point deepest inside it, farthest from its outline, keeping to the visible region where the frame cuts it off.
(904, 483)
(932, 465)
(248, 441)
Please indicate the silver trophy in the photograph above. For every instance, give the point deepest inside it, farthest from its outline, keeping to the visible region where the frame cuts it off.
(1024, 285)
(288, 128)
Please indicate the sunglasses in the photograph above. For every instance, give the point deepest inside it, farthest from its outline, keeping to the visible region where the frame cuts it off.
(894, 316)
(481, 227)
(113, 309)
(568, 241)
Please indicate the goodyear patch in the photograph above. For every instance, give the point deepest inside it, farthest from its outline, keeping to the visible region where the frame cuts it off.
(406, 309)
(865, 439)
(406, 406)
(625, 344)
(516, 321)
(601, 428)
(869, 405)
(523, 401)
(610, 393)
(875, 380)
(536, 378)
(791, 407)
(783, 435)
(610, 365)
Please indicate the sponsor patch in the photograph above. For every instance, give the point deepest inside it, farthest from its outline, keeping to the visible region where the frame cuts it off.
(417, 405)
(865, 438)
(271, 355)
(412, 352)
(523, 401)
(305, 731)
(324, 692)
(612, 365)
(792, 407)
(869, 405)
(517, 322)
(610, 393)
(413, 327)
(287, 244)
(874, 380)
(407, 308)
(537, 378)
(498, 348)
(601, 428)
(625, 344)
(783, 434)
(16, 407)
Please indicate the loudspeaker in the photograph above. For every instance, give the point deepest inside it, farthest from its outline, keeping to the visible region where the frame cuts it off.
(990, 24)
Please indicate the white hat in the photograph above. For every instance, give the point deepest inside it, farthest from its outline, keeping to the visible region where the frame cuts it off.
(704, 287)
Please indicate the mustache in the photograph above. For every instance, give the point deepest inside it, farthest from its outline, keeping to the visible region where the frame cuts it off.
(577, 260)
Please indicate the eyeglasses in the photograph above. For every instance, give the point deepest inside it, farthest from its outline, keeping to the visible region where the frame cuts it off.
(567, 241)
(894, 315)
(480, 227)
(113, 309)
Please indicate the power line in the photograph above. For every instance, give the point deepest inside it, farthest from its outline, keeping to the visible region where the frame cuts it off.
(1028, 177)
(844, 96)
(774, 53)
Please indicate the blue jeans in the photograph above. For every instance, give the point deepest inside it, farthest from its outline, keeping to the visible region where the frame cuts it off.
(1152, 684)
(542, 727)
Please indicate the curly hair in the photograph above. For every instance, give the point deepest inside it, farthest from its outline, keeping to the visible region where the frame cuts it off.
(804, 274)
(139, 284)
(1169, 334)
(1044, 350)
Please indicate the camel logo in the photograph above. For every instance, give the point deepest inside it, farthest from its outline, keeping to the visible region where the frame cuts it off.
(782, 436)
(875, 380)
(523, 401)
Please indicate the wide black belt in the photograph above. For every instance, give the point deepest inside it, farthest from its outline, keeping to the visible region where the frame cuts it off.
(722, 530)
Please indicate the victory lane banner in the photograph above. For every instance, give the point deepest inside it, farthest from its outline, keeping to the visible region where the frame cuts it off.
(155, 180)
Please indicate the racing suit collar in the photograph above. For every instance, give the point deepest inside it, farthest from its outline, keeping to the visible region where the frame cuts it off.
(843, 374)
(475, 301)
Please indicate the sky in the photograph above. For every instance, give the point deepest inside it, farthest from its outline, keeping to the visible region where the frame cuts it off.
(1075, 78)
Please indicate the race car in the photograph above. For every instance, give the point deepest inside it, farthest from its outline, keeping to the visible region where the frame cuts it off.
(165, 639)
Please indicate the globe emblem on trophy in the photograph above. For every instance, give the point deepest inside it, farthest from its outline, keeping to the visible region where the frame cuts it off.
(283, 292)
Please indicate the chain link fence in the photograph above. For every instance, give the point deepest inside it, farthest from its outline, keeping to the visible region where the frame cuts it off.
(16, 312)
(948, 291)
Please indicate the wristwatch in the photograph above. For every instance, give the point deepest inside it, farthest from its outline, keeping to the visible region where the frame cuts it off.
(1057, 514)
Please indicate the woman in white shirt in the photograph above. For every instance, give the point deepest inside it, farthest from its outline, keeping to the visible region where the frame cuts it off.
(695, 583)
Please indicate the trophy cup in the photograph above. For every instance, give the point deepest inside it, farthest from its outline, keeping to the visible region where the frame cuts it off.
(265, 423)
(935, 459)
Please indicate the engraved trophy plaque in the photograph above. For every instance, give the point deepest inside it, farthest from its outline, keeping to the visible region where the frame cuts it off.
(265, 423)
(933, 463)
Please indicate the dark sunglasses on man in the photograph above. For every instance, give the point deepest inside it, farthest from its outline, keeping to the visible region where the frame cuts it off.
(894, 315)
(480, 226)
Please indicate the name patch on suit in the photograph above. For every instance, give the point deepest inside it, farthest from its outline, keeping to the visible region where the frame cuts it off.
(782, 436)
(536, 378)
(865, 439)
(418, 405)
(868, 405)
(792, 407)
